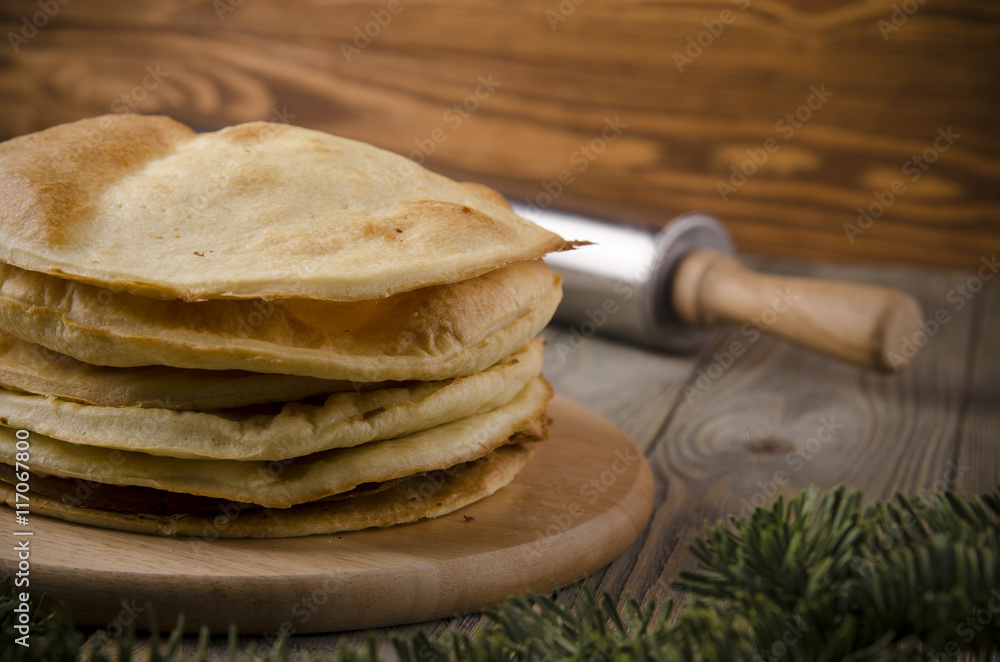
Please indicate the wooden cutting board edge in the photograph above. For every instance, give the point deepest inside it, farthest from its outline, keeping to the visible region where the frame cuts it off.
(582, 447)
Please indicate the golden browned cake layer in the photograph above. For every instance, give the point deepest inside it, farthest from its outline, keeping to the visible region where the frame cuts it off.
(149, 501)
(433, 333)
(274, 432)
(410, 500)
(29, 368)
(281, 484)
(143, 204)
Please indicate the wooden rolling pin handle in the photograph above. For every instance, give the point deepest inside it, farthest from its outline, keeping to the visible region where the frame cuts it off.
(867, 325)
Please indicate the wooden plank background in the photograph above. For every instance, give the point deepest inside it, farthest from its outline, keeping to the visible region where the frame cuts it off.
(516, 92)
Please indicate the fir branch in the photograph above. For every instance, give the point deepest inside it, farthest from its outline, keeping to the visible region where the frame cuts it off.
(816, 577)
(53, 636)
(820, 578)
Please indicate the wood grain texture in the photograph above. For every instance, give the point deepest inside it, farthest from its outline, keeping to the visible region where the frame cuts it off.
(978, 444)
(512, 95)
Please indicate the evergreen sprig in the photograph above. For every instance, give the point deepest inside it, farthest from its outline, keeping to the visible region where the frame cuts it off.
(820, 577)
(817, 577)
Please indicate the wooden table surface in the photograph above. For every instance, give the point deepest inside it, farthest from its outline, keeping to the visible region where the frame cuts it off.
(754, 431)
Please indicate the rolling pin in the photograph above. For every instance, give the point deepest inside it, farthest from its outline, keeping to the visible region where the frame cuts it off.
(666, 290)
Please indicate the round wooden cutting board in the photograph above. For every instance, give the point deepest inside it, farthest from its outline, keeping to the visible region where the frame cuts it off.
(581, 501)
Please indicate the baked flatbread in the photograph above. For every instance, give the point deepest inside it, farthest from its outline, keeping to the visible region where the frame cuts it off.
(433, 333)
(410, 500)
(29, 368)
(258, 210)
(295, 429)
(304, 328)
(282, 484)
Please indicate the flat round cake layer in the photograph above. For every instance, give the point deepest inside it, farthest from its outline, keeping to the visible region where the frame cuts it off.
(284, 483)
(432, 333)
(259, 210)
(410, 500)
(276, 432)
(29, 368)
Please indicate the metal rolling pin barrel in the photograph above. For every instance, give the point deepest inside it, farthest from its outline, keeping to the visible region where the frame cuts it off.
(667, 289)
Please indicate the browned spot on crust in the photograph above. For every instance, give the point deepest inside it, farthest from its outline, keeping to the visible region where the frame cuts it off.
(252, 133)
(497, 197)
(50, 179)
(317, 145)
(373, 412)
(450, 219)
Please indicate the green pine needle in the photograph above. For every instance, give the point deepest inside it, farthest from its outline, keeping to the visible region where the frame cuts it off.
(817, 577)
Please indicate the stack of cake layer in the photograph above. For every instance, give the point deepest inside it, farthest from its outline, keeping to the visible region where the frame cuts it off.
(264, 331)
